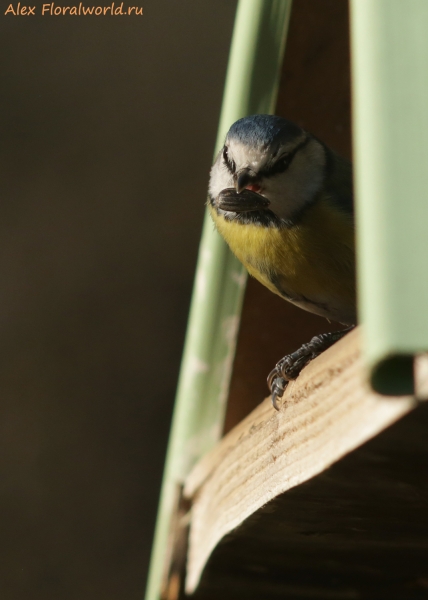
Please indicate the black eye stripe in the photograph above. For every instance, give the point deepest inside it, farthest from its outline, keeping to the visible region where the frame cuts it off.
(282, 164)
(230, 164)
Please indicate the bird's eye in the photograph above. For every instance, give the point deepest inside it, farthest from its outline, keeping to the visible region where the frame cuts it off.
(279, 166)
(285, 160)
(229, 162)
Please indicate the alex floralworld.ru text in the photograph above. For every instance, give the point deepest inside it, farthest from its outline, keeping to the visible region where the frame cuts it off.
(50, 9)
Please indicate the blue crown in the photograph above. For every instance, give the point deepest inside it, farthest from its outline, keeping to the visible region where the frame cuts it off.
(263, 130)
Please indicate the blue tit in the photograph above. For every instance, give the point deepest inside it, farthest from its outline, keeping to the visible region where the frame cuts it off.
(283, 202)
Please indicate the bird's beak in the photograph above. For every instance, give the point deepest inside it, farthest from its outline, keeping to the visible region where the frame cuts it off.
(243, 178)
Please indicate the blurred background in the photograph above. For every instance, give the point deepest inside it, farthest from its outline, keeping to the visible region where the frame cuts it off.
(108, 127)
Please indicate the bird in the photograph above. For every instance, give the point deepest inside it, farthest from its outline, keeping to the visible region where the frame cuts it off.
(283, 202)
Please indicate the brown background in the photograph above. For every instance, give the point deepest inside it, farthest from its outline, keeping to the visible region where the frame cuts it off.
(108, 128)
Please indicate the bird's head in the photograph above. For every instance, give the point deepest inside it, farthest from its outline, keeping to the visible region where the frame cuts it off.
(268, 169)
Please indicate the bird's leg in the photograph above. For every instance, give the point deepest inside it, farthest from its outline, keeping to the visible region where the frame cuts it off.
(289, 367)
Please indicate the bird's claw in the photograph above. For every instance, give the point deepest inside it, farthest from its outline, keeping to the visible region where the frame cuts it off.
(277, 385)
(289, 367)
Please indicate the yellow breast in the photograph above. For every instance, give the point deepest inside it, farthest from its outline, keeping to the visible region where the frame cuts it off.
(313, 260)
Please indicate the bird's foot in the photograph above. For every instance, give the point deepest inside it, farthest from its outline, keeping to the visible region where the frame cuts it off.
(289, 367)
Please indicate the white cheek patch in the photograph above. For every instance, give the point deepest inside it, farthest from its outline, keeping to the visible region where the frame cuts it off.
(290, 191)
(220, 178)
